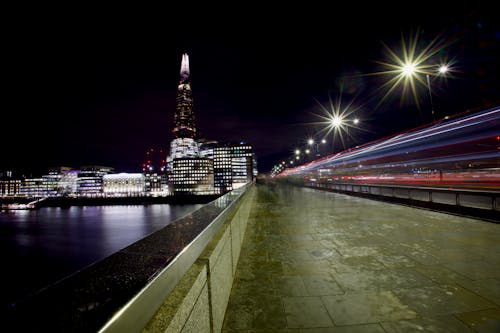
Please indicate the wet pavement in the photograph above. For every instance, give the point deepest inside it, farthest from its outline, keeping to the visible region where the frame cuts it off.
(316, 261)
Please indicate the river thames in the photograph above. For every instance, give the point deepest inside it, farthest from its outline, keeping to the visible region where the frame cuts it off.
(41, 246)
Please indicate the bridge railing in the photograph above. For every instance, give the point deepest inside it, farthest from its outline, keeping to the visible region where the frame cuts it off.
(477, 203)
(123, 292)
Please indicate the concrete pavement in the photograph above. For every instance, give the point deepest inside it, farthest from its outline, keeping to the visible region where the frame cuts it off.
(316, 261)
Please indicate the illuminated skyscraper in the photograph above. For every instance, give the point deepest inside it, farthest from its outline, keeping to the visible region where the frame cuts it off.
(184, 144)
(199, 166)
(187, 172)
(184, 124)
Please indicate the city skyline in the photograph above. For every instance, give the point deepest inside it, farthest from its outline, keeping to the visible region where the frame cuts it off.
(104, 96)
(193, 166)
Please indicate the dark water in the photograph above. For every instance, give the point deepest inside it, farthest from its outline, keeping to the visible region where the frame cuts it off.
(39, 247)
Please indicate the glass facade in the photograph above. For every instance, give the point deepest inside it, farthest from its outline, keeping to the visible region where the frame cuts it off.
(234, 166)
(34, 188)
(89, 183)
(223, 172)
(192, 176)
(184, 122)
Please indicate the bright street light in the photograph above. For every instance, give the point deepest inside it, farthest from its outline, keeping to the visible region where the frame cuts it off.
(408, 69)
(441, 71)
(336, 121)
(409, 65)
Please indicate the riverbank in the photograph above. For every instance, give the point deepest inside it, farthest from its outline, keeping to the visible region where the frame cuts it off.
(81, 201)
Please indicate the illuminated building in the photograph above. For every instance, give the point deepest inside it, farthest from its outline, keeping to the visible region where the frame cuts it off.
(183, 147)
(155, 184)
(68, 182)
(206, 147)
(89, 183)
(9, 185)
(184, 123)
(234, 166)
(187, 172)
(34, 187)
(242, 164)
(59, 181)
(223, 172)
(123, 184)
(192, 176)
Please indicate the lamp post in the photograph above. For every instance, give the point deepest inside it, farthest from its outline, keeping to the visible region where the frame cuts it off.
(312, 142)
(430, 95)
(441, 71)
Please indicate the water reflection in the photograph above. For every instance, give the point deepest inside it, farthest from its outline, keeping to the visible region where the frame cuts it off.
(44, 245)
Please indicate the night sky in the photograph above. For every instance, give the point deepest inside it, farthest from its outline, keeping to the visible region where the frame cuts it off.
(86, 86)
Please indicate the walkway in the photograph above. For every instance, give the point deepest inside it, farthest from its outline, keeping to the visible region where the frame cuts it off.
(316, 261)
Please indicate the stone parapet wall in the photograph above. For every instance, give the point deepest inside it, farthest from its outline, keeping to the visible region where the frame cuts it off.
(198, 302)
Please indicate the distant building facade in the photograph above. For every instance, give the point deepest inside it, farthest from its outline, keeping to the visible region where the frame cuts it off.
(90, 180)
(60, 181)
(9, 185)
(234, 166)
(192, 176)
(154, 169)
(124, 184)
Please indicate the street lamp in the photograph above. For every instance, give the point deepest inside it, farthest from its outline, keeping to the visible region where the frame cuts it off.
(411, 66)
(312, 142)
(430, 95)
(441, 71)
(336, 121)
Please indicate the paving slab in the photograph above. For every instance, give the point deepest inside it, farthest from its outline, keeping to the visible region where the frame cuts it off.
(314, 261)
